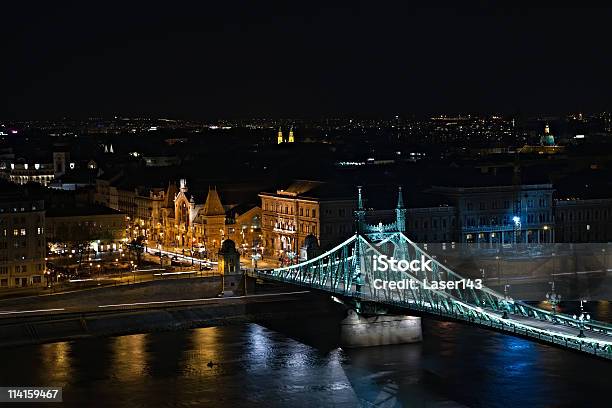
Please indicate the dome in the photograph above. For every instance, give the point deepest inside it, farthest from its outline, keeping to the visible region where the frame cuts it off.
(228, 246)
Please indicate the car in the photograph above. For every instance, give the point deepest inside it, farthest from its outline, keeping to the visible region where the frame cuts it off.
(158, 253)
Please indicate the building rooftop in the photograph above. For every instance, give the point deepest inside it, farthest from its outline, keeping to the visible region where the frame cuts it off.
(317, 190)
(80, 211)
(213, 204)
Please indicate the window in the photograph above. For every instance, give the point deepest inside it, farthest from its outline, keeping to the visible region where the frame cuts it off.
(314, 213)
(23, 232)
(36, 279)
(16, 232)
(308, 212)
(3, 282)
(301, 212)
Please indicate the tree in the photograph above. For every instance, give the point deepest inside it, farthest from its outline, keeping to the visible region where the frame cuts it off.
(137, 247)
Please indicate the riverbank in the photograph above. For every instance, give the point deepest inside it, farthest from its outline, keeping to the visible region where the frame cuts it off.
(155, 317)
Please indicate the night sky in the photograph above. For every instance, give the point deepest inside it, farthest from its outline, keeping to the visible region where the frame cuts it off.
(299, 59)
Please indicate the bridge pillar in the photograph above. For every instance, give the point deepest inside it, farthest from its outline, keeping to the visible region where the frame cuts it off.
(362, 331)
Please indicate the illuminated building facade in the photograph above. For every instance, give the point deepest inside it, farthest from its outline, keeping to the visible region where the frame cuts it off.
(203, 227)
(102, 228)
(22, 239)
(547, 144)
(172, 217)
(497, 214)
(305, 208)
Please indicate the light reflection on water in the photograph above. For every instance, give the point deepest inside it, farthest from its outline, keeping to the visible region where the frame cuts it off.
(129, 357)
(252, 365)
(55, 360)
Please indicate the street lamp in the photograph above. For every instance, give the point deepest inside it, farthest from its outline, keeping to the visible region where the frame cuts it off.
(517, 227)
(582, 318)
(498, 270)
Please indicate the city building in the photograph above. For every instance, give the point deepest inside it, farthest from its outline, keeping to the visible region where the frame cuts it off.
(22, 238)
(501, 214)
(547, 144)
(144, 207)
(23, 173)
(202, 227)
(100, 228)
(583, 220)
(305, 208)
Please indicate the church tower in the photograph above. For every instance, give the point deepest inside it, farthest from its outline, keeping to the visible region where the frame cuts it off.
(279, 138)
(291, 139)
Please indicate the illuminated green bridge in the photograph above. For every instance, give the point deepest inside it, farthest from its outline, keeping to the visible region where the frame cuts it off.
(348, 271)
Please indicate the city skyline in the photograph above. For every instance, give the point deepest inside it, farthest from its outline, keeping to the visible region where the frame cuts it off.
(347, 204)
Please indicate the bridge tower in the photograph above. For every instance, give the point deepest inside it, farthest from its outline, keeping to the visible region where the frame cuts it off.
(367, 324)
(400, 212)
(360, 212)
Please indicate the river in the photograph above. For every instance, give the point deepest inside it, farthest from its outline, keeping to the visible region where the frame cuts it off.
(290, 364)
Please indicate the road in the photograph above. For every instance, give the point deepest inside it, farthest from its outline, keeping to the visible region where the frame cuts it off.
(11, 313)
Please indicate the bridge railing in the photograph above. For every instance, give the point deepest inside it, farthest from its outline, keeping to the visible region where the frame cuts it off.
(497, 301)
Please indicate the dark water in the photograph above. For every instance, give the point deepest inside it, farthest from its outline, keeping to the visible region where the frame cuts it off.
(262, 366)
